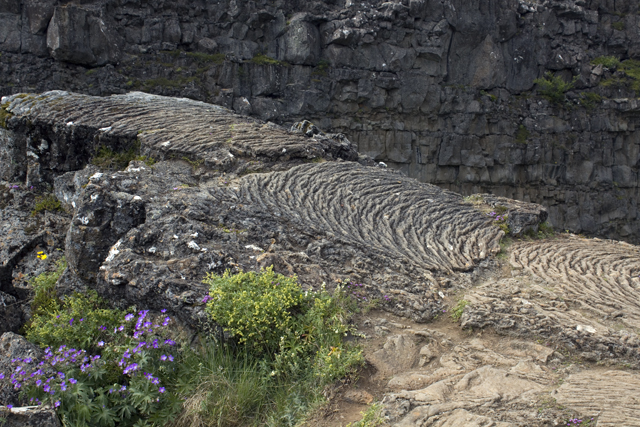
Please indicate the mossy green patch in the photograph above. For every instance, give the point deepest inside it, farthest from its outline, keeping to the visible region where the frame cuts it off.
(522, 134)
(4, 116)
(47, 202)
(106, 158)
(266, 60)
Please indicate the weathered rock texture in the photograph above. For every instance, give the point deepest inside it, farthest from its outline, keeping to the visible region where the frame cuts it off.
(147, 235)
(228, 192)
(439, 89)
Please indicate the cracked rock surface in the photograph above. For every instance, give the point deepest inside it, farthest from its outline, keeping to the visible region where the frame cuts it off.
(542, 320)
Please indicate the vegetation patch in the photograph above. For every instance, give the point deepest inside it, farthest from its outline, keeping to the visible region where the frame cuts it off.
(266, 60)
(553, 88)
(106, 367)
(590, 100)
(106, 158)
(456, 312)
(372, 417)
(522, 134)
(620, 26)
(47, 202)
(628, 76)
(322, 69)
(4, 116)
(610, 62)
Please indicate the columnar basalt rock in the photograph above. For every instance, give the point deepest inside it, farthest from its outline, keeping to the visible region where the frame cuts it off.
(440, 90)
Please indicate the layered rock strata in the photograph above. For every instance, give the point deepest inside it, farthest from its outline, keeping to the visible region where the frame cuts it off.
(442, 90)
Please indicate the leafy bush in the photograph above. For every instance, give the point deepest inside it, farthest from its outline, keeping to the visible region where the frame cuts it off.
(80, 321)
(254, 308)
(553, 87)
(590, 100)
(45, 299)
(296, 337)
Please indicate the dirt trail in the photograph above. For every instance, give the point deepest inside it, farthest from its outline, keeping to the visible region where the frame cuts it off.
(507, 373)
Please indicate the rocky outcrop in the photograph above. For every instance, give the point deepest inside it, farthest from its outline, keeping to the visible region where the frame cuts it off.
(443, 91)
(217, 191)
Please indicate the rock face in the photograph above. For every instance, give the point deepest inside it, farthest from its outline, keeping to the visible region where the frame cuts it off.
(443, 91)
(218, 191)
(147, 235)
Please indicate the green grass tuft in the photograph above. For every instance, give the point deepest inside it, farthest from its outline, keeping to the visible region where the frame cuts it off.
(47, 202)
(456, 312)
(610, 62)
(266, 60)
(553, 88)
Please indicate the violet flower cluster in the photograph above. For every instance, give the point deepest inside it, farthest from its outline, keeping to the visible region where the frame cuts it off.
(48, 375)
(497, 217)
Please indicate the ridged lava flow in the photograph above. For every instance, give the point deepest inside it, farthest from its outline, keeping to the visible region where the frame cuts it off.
(384, 212)
(601, 276)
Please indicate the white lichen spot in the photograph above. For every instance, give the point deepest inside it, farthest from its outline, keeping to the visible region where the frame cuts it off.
(165, 144)
(84, 220)
(255, 248)
(152, 250)
(32, 154)
(94, 197)
(113, 251)
(284, 150)
(193, 245)
(96, 176)
(194, 234)
(586, 328)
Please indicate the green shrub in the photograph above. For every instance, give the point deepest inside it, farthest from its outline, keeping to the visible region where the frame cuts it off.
(553, 87)
(620, 26)
(45, 299)
(610, 62)
(47, 202)
(77, 321)
(456, 312)
(545, 230)
(254, 308)
(590, 99)
(630, 78)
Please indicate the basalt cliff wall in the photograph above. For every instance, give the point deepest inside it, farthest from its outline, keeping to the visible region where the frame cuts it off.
(442, 90)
